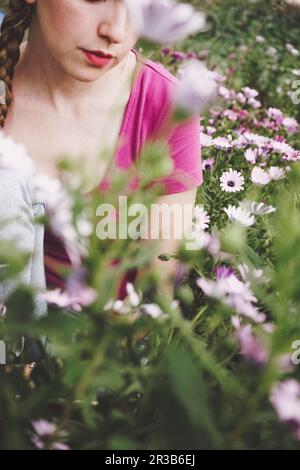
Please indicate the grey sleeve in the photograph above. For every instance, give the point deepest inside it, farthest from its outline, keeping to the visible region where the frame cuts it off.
(18, 211)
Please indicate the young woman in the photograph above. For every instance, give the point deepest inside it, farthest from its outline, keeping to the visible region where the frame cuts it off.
(78, 86)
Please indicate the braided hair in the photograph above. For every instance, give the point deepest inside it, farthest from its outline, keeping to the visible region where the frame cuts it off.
(13, 27)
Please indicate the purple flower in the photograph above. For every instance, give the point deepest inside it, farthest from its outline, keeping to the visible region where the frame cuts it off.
(191, 55)
(243, 113)
(43, 427)
(178, 55)
(251, 348)
(276, 115)
(285, 397)
(223, 271)
(166, 51)
(46, 434)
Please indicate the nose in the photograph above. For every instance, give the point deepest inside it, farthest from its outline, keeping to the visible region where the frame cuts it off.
(113, 26)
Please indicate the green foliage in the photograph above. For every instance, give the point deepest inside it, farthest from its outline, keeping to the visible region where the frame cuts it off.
(179, 381)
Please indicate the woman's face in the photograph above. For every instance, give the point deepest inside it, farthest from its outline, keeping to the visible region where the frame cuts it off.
(65, 27)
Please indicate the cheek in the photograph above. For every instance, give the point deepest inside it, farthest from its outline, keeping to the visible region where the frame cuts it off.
(63, 19)
(131, 38)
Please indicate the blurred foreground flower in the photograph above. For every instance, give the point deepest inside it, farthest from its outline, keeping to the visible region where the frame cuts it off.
(251, 348)
(285, 397)
(234, 293)
(196, 89)
(132, 302)
(74, 296)
(164, 21)
(46, 436)
(59, 210)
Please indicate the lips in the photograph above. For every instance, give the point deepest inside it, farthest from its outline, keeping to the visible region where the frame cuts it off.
(98, 58)
(99, 54)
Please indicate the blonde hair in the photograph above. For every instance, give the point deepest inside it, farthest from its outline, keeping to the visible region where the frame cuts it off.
(13, 27)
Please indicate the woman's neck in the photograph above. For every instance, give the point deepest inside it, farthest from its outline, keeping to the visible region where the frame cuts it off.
(43, 81)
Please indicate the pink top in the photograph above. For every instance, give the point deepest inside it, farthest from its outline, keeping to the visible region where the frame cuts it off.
(145, 118)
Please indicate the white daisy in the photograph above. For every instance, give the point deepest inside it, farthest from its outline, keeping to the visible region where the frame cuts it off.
(260, 176)
(292, 50)
(251, 155)
(206, 140)
(211, 130)
(202, 218)
(257, 208)
(240, 214)
(281, 147)
(222, 143)
(232, 181)
(271, 51)
(248, 138)
(276, 173)
(207, 164)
